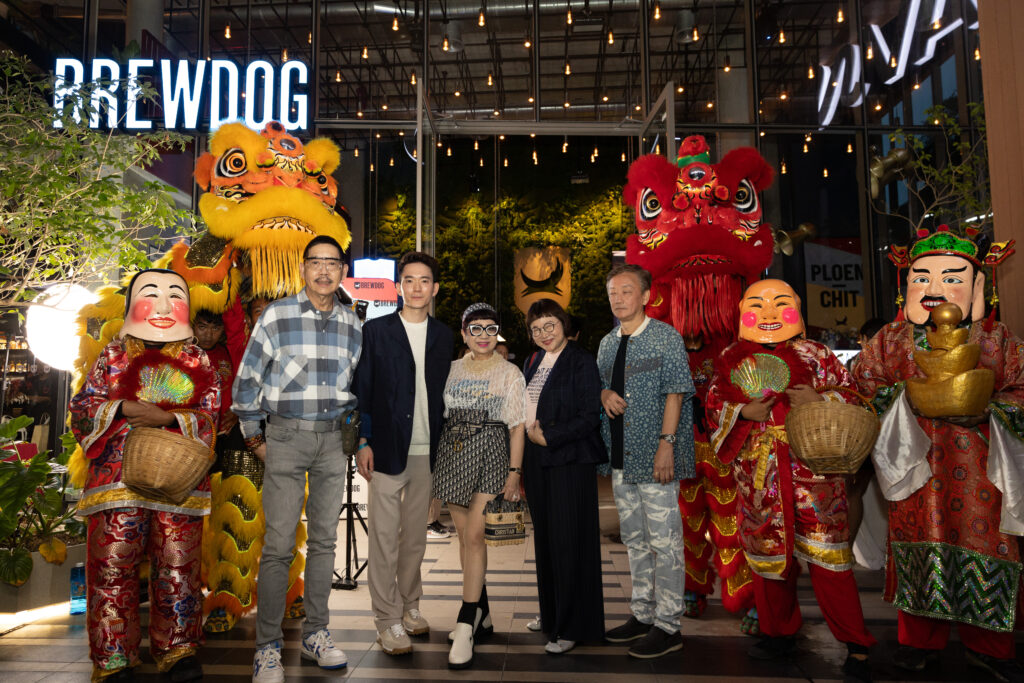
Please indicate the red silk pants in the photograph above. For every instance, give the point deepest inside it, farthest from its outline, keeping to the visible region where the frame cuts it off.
(932, 634)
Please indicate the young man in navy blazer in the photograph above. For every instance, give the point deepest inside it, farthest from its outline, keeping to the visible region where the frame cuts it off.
(400, 385)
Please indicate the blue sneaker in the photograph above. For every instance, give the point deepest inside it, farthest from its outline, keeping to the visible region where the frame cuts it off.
(320, 648)
(266, 665)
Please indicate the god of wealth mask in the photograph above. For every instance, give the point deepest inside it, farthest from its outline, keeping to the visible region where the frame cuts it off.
(770, 313)
(936, 279)
(157, 307)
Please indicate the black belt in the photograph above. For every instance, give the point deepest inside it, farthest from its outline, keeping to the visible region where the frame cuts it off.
(332, 425)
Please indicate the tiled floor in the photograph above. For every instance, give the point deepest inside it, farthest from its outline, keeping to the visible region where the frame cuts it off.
(55, 650)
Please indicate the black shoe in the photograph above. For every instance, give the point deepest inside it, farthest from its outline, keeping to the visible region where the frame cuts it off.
(124, 675)
(772, 647)
(631, 630)
(1004, 670)
(656, 644)
(914, 658)
(856, 670)
(185, 670)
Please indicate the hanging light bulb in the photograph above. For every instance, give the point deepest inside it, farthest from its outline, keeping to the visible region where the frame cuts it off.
(568, 69)
(309, 38)
(337, 76)
(592, 159)
(501, 137)
(869, 53)
(439, 143)
(782, 170)
(284, 55)
(505, 164)
(657, 148)
(839, 17)
(937, 24)
(394, 23)
(977, 54)
(377, 135)
(810, 73)
(710, 105)
(568, 16)
(227, 30)
(497, 113)
(401, 133)
(490, 80)
(526, 43)
(878, 106)
(445, 45)
(412, 79)
(637, 108)
(892, 61)
(595, 151)
(623, 158)
(366, 53)
(449, 153)
(657, 11)
(533, 135)
(565, 145)
(391, 161)
(917, 84)
(783, 96)
(458, 93)
(530, 99)
(414, 154)
(680, 90)
(481, 162)
(696, 35)
(384, 105)
(849, 148)
(728, 65)
(805, 148)
(824, 173)
(782, 36)
(480, 20)
(807, 137)
(371, 167)
(355, 152)
(604, 98)
(566, 104)
(476, 145)
(611, 38)
(535, 157)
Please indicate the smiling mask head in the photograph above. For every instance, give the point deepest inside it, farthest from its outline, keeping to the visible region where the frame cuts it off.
(157, 307)
(770, 313)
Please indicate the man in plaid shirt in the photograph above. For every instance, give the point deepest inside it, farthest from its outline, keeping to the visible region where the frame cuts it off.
(296, 375)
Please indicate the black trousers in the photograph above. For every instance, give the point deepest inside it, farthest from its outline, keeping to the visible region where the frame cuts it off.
(567, 543)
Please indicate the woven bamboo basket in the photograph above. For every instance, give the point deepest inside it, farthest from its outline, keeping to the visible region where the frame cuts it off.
(164, 465)
(831, 437)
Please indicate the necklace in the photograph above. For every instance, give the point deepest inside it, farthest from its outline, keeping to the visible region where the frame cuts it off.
(480, 367)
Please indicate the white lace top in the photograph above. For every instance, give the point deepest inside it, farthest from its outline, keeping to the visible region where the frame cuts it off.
(494, 385)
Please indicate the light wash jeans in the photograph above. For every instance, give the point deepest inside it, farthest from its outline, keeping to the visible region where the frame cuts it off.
(291, 455)
(652, 531)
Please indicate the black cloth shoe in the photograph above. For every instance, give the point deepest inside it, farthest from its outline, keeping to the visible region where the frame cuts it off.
(631, 630)
(186, 669)
(656, 644)
(1004, 670)
(772, 647)
(856, 670)
(914, 658)
(124, 675)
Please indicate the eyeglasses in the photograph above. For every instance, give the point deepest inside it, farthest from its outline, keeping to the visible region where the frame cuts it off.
(330, 264)
(546, 328)
(477, 330)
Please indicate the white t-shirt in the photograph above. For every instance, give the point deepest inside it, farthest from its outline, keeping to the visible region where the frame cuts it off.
(417, 333)
(536, 385)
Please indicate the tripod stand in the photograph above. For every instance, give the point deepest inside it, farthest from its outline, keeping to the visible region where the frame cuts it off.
(350, 513)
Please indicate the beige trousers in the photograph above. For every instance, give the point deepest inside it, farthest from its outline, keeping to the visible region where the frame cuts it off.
(398, 538)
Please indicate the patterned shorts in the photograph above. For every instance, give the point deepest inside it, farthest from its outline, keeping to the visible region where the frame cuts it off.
(472, 456)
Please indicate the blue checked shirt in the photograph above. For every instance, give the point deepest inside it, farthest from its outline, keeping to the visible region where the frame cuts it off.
(298, 364)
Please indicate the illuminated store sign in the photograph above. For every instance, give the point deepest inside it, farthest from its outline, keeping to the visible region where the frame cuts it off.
(916, 39)
(187, 90)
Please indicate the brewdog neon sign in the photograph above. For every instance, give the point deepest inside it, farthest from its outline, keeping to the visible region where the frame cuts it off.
(187, 90)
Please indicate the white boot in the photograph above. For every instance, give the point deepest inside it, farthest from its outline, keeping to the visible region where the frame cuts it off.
(461, 655)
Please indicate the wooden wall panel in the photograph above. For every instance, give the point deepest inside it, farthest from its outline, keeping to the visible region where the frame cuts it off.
(1002, 67)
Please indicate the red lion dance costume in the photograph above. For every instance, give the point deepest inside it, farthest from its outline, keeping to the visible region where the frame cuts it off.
(699, 233)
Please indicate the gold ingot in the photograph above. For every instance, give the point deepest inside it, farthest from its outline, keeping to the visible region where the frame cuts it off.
(952, 386)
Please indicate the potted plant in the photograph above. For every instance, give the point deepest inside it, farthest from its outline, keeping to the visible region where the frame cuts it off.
(34, 516)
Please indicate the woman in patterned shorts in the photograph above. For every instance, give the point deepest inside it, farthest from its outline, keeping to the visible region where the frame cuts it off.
(480, 456)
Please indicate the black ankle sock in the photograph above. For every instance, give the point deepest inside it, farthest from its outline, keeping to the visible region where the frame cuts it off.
(484, 607)
(467, 613)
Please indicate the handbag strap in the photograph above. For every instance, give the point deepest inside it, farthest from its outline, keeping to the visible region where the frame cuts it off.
(213, 430)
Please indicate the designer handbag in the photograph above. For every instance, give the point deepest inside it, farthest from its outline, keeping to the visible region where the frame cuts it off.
(504, 522)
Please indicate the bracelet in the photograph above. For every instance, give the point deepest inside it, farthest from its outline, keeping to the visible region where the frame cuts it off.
(362, 446)
(254, 442)
(517, 470)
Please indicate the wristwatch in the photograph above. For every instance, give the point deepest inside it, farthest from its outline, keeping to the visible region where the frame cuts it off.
(670, 438)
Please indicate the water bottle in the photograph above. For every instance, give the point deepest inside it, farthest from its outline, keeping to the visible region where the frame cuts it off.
(78, 589)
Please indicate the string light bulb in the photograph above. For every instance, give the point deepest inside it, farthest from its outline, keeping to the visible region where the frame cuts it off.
(782, 36)
(657, 11)
(977, 54)
(824, 173)
(366, 53)
(355, 152)
(530, 99)
(839, 16)
(445, 45)
(476, 145)
(359, 113)
(309, 38)
(535, 157)
(337, 76)
(568, 69)
(371, 167)
(810, 73)
(917, 84)
(604, 98)
(481, 162)
(412, 78)
(680, 90)
(490, 80)
(806, 149)
(384, 105)
(480, 20)
(505, 163)
(458, 93)
(566, 104)
(623, 157)
(783, 96)
(878, 106)
(892, 61)
(595, 151)
(527, 44)
(710, 105)
(449, 153)
(284, 55)
(696, 35)
(849, 148)
(782, 169)
(937, 24)
(869, 53)
(611, 38)
(565, 146)
(807, 137)
(728, 65)
(497, 113)
(227, 30)
(391, 161)
(568, 16)
(394, 24)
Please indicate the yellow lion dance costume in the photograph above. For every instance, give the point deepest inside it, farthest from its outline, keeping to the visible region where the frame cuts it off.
(267, 195)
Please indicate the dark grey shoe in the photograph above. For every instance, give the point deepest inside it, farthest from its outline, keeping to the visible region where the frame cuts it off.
(914, 658)
(1004, 670)
(631, 630)
(772, 647)
(657, 643)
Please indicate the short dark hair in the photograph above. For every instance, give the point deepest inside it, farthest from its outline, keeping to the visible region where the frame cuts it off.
(480, 314)
(323, 239)
(633, 269)
(206, 316)
(872, 327)
(543, 308)
(420, 257)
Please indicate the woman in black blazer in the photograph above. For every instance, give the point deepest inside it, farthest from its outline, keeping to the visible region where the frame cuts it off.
(563, 450)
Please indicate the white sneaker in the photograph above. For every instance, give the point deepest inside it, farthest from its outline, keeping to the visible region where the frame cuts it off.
(557, 647)
(415, 624)
(534, 625)
(461, 654)
(320, 648)
(394, 640)
(266, 665)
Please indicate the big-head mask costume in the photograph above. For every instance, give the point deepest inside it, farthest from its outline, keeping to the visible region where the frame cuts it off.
(944, 267)
(770, 313)
(157, 307)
